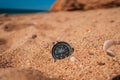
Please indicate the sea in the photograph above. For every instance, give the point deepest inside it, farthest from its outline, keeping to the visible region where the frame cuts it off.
(20, 11)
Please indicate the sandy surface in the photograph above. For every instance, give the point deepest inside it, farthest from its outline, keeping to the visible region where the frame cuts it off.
(86, 31)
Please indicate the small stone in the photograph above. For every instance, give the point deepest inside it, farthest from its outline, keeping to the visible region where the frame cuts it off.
(91, 53)
(8, 27)
(101, 63)
(88, 31)
(111, 21)
(54, 42)
(72, 59)
(34, 36)
(95, 46)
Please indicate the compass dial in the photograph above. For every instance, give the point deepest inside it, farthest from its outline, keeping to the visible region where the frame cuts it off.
(61, 50)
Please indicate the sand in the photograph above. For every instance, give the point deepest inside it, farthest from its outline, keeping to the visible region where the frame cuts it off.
(26, 42)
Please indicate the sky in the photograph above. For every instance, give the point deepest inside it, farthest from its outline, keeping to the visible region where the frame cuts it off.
(27, 4)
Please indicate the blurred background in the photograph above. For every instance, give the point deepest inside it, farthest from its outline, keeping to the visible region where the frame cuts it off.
(25, 6)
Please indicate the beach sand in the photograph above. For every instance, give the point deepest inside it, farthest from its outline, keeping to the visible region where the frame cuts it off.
(26, 42)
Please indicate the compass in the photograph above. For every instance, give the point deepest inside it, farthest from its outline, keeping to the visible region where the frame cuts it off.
(61, 50)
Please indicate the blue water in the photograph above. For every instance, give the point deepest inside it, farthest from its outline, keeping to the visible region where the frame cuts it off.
(25, 6)
(20, 11)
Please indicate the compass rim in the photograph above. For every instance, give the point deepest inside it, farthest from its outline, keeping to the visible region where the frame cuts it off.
(61, 43)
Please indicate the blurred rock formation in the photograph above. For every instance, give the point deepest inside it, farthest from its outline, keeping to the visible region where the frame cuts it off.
(70, 5)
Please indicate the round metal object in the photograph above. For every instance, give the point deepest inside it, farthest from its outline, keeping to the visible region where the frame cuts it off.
(61, 50)
(116, 77)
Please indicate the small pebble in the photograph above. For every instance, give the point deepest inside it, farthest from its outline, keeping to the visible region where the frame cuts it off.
(72, 59)
(54, 42)
(111, 21)
(95, 46)
(101, 63)
(34, 36)
(8, 27)
(91, 53)
(88, 31)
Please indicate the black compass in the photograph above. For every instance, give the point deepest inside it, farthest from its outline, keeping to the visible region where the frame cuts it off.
(61, 50)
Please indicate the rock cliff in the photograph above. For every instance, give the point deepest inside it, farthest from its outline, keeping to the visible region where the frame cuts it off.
(68, 5)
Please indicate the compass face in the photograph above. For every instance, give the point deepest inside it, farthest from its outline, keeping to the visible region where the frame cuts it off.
(61, 50)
